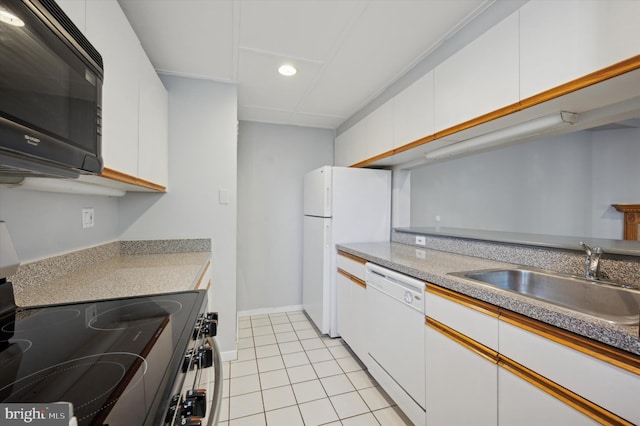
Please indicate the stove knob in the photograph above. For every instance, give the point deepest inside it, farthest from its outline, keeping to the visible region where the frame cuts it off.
(173, 407)
(205, 355)
(195, 403)
(187, 361)
(191, 421)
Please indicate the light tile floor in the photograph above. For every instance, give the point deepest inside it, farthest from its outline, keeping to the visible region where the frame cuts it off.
(287, 374)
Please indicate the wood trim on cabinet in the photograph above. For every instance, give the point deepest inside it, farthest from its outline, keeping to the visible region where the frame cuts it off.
(582, 405)
(131, 180)
(352, 257)
(204, 271)
(599, 76)
(353, 278)
(478, 348)
(631, 215)
(616, 357)
(462, 299)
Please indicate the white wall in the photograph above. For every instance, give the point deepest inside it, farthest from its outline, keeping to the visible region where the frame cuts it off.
(202, 160)
(272, 161)
(559, 186)
(45, 224)
(615, 178)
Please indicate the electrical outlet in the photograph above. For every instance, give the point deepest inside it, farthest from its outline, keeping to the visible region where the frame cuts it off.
(87, 218)
(421, 240)
(438, 218)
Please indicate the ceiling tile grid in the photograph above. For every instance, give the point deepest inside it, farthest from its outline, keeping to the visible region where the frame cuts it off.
(346, 51)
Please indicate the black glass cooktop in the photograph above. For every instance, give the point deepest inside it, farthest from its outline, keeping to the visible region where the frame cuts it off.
(114, 360)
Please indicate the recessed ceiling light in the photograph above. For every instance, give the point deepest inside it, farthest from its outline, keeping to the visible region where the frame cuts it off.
(10, 18)
(287, 70)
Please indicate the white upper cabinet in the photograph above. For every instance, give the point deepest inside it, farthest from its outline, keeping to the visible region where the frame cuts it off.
(152, 126)
(564, 40)
(378, 131)
(371, 136)
(109, 31)
(480, 78)
(413, 112)
(346, 146)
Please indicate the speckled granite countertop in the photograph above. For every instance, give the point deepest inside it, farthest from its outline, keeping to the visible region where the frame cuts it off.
(433, 266)
(122, 275)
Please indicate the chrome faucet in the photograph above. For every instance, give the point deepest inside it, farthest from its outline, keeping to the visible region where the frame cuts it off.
(592, 262)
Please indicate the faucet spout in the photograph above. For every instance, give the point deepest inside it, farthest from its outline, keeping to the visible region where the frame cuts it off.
(592, 261)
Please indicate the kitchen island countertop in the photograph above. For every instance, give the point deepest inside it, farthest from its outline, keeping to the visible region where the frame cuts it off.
(434, 266)
(121, 275)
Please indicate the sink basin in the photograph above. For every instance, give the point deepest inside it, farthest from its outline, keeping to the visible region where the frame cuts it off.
(598, 299)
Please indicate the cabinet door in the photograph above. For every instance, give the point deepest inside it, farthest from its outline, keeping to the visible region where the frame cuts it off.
(371, 136)
(480, 78)
(521, 403)
(153, 126)
(413, 112)
(347, 146)
(563, 40)
(109, 31)
(357, 315)
(462, 386)
(613, 388)
(345, 324)
(378, 133)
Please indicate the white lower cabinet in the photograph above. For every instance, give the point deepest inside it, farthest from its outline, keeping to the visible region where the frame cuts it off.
(352, 304)
(462, 385)
(352, 328)
(536, 374)
(603, 381)
(461, 341)
(521, 403)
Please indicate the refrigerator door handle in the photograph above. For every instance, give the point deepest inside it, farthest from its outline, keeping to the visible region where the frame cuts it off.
(326, 235)
(327, 201)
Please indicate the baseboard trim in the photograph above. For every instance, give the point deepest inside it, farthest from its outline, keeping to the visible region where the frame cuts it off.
(266, 311)
(228, 356)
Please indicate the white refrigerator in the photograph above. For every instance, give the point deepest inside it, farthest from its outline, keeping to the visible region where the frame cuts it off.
(341, 205)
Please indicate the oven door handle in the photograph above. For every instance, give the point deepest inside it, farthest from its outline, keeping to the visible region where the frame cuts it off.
(216, 401)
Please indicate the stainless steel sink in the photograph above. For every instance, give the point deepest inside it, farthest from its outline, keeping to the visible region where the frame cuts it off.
(598, 299)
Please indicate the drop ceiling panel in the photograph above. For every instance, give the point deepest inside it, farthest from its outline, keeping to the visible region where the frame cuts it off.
(347, 52)
(262, 85)
(386, 41)
(307, 29)
(190, 37)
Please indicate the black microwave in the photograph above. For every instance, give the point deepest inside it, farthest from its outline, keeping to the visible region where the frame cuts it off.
(50, 93)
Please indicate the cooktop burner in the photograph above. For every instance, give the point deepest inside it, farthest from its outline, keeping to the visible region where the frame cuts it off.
(93, 382)
(36, 320)
(114, 360)
(135, 314)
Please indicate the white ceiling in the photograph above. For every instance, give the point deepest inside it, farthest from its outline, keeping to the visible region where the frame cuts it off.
(346, 51)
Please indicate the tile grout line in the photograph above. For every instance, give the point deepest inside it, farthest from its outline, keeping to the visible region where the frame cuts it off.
(305, 351)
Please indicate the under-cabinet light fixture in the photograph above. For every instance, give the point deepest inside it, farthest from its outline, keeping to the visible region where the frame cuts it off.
(509, 134)
(66, 186)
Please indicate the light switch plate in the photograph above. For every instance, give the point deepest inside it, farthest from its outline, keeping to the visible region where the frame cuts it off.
(87, 217)
(223, 196)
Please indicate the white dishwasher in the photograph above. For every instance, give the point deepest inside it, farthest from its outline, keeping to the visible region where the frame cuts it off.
(395, 315)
